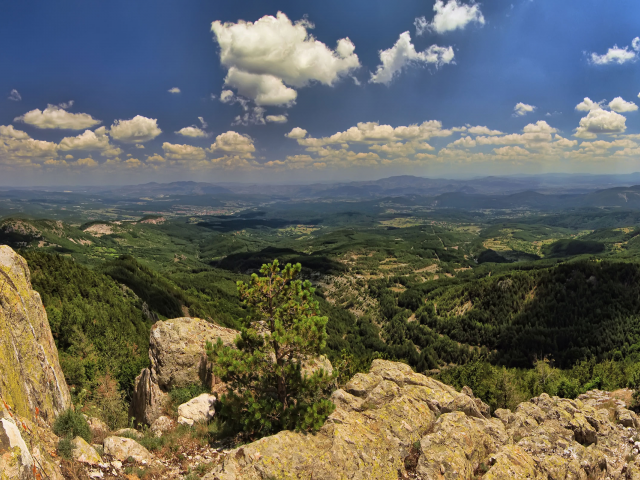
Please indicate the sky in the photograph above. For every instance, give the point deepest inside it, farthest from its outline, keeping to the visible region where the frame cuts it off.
(126, 92)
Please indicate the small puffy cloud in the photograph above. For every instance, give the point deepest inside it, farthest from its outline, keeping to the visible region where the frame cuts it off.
(480, 130)
(451, 16)
(277, 118)
(193, 132)
(262, 89)
(297, 133)
(271, 57)
(66, 105)
(463, 142)
(183, 152)
(138, 145)
(600, 121)
(234, 143)
(14, 95)
(10, 132)
(87, 141)
(56, 117)
(621, 106)
(587, 105)
(617, 54)
(403, 54)
(522, 109)
(174, 90)
(137, 130)
(226, 96)
(252, 116)
(204, 124)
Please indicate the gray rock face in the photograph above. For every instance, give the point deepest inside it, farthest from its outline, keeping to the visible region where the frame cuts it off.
(199, 409)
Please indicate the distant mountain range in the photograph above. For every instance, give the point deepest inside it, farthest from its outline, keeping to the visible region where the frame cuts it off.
(533, 191)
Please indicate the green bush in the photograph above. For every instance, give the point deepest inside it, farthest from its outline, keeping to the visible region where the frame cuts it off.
(71, 424)
(65, 448)
(184, 394)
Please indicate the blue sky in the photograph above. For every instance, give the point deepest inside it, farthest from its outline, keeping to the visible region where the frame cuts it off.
(290, 91)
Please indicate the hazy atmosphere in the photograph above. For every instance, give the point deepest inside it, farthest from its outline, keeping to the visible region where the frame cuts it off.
(125, 92)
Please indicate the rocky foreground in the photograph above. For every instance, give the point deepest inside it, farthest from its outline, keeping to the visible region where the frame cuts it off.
(390, 423)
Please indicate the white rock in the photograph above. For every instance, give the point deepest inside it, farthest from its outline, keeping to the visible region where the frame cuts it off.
(199, 409)
(123, 448)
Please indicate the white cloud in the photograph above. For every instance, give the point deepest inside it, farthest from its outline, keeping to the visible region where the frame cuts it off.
(511, 152)
(204, 124)
(14, 95)
(621, 106)
(174, 90)
(297, 133)
(137, 130)
(277, 118)
(403, 54)
(480, 130)
(10, 132)
(56, 117)
(252, 116)
(600, 121)
(587, 105)
(183, 152)
(66, 105)
(522, 109)
(262, 89)
(193, 132)
(234, 143)
(617, 55)
(449, 17)
(85, 162)
(270, 55)
(87, 141)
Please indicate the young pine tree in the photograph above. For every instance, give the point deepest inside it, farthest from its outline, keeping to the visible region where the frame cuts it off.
(268, 390)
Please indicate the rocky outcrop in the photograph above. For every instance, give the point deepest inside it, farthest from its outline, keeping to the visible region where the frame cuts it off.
(32, 386)
(84, 453)
(30, 375)
(393, 423)
(178, 359)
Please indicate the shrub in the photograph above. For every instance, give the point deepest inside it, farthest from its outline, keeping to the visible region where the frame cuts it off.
(71, 424)
(65, 448)
(268, 391)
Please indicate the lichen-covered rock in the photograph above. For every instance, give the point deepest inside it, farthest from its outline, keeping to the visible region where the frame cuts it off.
(30, 373)
(99, 429)
(84, 453)
(15, 458)
(199, 409)
(128, 432)
(122, 448)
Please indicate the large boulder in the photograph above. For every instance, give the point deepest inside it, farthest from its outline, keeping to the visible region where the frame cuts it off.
(199, 409)
(84, 453)
(393, 423)
(177, 350)
(30, 377)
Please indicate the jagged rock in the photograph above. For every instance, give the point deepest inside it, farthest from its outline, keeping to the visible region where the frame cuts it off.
(122, 448)
(382, 415)
(30, 376)
(129, 432)
(177, 350)
(84, 453)
(147, 400)
(161, 425)
(199, 409)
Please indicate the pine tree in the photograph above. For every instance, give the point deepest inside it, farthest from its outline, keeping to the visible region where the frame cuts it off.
(268, 389)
